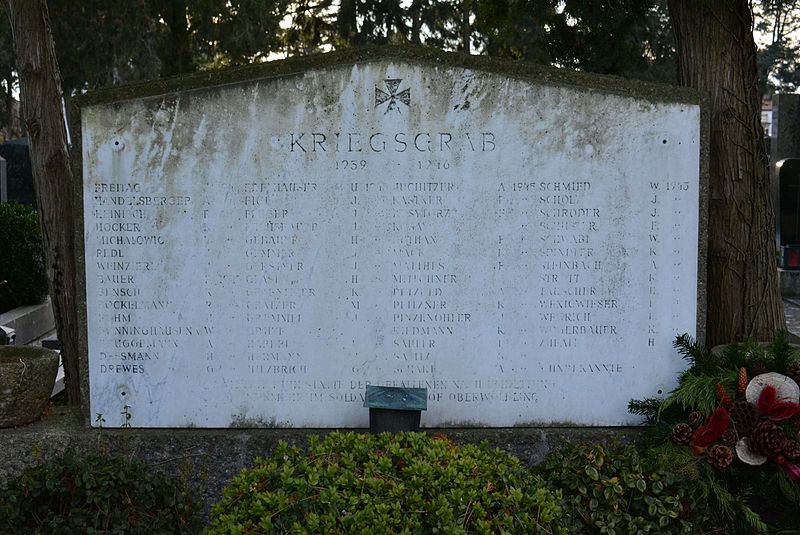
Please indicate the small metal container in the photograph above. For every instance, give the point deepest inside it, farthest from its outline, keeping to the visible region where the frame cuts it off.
(394, 409)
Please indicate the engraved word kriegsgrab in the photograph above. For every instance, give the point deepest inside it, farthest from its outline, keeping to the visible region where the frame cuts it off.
(392, 97)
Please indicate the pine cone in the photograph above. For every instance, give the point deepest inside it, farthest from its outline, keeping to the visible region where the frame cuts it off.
(743, 380)
(744, 417)
(791, 449)
(793, 371)
(730, 437)
(696, 419)
(720, 456)
(768, 438)
(682, 434)
(759, 368)
(723, 396)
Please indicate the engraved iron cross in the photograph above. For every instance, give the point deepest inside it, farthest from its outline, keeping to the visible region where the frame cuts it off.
(392, 97)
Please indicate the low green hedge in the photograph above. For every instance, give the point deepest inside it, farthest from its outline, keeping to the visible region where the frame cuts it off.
(614, 490)
(373, 484)
(95, 494)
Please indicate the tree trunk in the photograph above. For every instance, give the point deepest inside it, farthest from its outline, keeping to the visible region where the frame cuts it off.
(416, 24)
(466, 29)
(177, 54)
(717, 55)
(40, 89)
(347, 22)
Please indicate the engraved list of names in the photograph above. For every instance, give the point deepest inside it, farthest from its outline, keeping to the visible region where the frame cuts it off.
(257, 254)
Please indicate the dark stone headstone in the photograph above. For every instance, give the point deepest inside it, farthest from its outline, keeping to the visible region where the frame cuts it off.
(3, 182)
(789, 206)
(19, 173)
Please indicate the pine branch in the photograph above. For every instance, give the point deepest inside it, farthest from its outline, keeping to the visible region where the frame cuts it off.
(648, 407)
(782, 352)
(726, 503)
(696, 391)
(740, 355)
(692, 352)
(753, 519)
(688, 347)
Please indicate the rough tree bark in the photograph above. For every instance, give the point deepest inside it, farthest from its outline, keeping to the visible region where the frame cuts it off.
(717, 54)
(40, 88)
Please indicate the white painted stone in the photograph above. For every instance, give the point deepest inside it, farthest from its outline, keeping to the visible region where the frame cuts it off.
(256, 254)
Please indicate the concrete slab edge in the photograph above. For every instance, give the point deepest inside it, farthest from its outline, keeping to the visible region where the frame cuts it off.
(30, 322)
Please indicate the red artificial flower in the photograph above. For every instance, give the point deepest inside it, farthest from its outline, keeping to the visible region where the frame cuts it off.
(774, 408)
(792, 470)
(712, 431)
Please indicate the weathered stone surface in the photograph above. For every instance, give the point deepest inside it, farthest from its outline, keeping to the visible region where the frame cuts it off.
(268, 248)
(27, 375)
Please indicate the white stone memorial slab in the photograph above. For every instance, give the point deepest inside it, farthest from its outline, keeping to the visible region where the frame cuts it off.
(257, 253)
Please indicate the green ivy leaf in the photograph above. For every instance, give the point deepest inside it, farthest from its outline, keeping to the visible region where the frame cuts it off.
(592, 472)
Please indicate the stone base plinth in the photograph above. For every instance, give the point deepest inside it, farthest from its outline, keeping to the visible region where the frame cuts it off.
(211, 457)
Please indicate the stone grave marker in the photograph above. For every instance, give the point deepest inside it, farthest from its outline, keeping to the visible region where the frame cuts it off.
(18, 177)
(3, 181)
(261, 246)
(789, 205)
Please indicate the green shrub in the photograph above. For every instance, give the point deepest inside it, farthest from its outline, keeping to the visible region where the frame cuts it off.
(614, 491)
(405, 483)
(96, 494)
(22, 272)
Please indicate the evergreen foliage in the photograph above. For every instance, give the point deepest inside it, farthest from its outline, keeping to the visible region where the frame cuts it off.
(615, 490)
(23, 280)
(95, 494)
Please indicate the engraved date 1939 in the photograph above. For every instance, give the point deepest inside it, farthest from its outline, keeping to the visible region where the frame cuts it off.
(351, 165)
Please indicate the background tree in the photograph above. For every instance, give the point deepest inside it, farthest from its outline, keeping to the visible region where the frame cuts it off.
(717, 55)
(10, 127)
(630, 38)
(237, 33)
(779, 66)
(122, 47)
(312, 27)
(440, 24)
(145, 39)
(520, 29)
